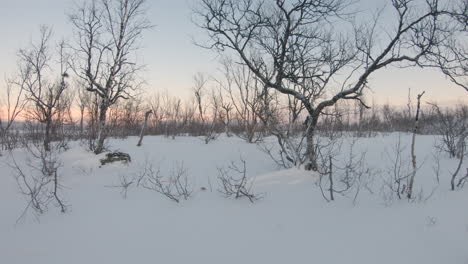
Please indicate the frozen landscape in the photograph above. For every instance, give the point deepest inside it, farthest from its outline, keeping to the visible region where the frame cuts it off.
(234, 131)
(291, 223)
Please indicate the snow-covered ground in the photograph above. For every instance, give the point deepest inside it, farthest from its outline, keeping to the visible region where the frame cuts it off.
(291, 224)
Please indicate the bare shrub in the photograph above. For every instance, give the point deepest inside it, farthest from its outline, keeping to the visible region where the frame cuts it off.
(175, 187)
(38, 179)
(285, 126)
(463, 179)
(291, 151)
(239, 186)
(124, 184)
(452, 126)
(348, 178)
(397, 172)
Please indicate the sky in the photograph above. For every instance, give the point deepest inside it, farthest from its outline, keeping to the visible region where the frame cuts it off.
(172, 59)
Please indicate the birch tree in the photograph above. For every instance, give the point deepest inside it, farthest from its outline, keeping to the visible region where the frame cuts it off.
(36, 79)
(316, 52)
(107, 34)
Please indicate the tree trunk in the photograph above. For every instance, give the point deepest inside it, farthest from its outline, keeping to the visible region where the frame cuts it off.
(332, 198)
(47, 135)
(142, 133)
(311, 148)
(81, 122)
(101, 129)
(228, 124)
(413, 143)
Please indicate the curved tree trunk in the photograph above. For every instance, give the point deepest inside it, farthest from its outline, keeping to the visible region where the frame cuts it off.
(142, 133)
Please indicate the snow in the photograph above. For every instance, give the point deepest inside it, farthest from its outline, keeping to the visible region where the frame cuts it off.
(291, 224)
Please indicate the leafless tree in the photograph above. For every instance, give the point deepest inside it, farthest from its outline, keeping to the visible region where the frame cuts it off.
(143, 127)
(11, 107)
(84, 102)
(211, 131)
(199, 88)
(107, 34)
(225, 114)
(413, 146)
(158, 113)
(243, 91)
(300, 47)
(42, 93)
(452, 126)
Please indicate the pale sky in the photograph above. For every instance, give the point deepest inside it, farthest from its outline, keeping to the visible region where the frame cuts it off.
(172, 59)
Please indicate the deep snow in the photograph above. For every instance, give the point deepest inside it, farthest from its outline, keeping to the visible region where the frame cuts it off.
(291, 224)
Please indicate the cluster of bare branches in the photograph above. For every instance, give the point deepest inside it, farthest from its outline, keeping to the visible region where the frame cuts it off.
(236, 186)
(39, 180)
(452, 126)
(175, 187)
(11, 106)
(398, 176)
(124, 184)
(209, 119)
(348, 178)
(397, 173)
(244, 93)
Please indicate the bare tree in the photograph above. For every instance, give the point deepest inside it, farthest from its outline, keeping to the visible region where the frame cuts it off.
(83, 103)
(452, 126)
(13, 105)
(413, 146)
(143, 127)
(243, 90)
(42, 93)
(107, 34)
(200, 82)
(211, 131)
(225, 114)
(301, 47)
